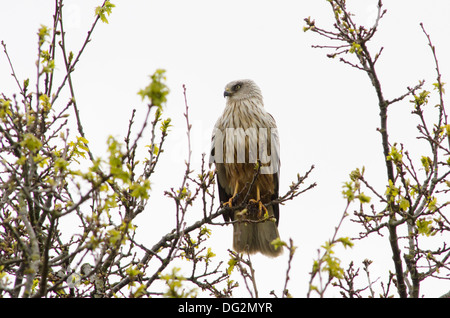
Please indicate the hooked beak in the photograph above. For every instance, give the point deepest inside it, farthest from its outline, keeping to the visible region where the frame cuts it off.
(227, 92)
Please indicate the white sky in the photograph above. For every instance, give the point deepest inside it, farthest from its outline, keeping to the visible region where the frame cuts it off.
(326, 112)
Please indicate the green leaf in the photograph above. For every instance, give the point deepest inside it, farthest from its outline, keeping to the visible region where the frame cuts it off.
(48, 68)
(140, 190)
(175, 287)
(404, 204)
(114, 236)
(333, 266)
(157, 90)
(133, 271)
(395, 155)
(31, 142)
(426, 163)
(278, 243)
(209, 254)
(61, 165)
(432, 205)
(231, 263)
(421, 99)
(115, 161)
(349, 191)
(43, 33)
(392, 190)
(316, 267)
(5, 108)
(70, 57)
(363, 198)
(357, 174)
(165, 125)
(439, 87)
(346, 241)
(102, 11)
(45, 102)
(205, 231)
(355, 48)
(424, 227)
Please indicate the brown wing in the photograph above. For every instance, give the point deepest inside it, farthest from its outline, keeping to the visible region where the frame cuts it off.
(222, 180)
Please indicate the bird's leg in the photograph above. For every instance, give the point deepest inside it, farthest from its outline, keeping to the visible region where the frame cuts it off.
(260, 204)
(230, 202)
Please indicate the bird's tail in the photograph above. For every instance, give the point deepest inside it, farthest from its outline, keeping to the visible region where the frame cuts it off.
(253, 237)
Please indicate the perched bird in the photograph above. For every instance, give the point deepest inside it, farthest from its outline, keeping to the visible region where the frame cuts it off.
(245, 150)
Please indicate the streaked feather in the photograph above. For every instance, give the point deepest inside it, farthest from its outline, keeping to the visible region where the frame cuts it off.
(245, 109)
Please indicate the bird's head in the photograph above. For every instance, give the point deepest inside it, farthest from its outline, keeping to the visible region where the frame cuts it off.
(242, 89)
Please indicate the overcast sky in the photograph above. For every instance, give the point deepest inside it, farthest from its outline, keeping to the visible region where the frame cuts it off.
(326, 112)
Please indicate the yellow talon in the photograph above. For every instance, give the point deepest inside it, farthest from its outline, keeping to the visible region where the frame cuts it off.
(230, 202)
(261, 206)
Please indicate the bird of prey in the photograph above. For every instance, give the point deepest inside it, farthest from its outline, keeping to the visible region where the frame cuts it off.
(245, 150)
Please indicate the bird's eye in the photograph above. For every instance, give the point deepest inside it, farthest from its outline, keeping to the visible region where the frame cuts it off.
(236, 87)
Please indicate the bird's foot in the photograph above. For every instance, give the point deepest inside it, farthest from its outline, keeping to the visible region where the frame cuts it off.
(262, 210)
(229, 203)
